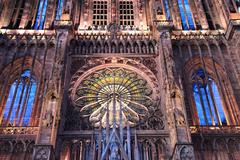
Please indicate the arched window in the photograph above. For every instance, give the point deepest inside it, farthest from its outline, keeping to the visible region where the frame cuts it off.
(17, 14)
(207, 99)
(19, 104)
(207, 10)
(59, 9)
(41, 14)
(167, 10)
(186, 15)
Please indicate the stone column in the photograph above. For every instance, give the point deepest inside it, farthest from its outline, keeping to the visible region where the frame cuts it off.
(49, 123)
(173, 96)
(7, 13)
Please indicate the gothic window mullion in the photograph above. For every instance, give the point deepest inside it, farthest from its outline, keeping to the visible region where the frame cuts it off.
(19, 104)
(182, 15)
(209, 105)
(234, 5)
(214, 103)
(166, 10)
(25, 104)
(20, 101)
(17, 12)
(202, 104)
(59, 9)
(211, 102)
(185, 13)
(208, 13)
(41, 13)
(13, 101)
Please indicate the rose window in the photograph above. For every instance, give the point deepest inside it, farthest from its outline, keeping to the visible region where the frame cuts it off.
(113, 96)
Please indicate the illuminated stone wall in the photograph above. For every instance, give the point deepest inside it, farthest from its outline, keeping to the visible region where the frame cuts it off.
(120, 79)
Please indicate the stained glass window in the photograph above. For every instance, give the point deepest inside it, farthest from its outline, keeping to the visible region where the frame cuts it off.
(21, 96)
(167, 10)
(41, 14)
(186, 15)
(114, 96)
(17, 14)
(59, 9)
(207, 100)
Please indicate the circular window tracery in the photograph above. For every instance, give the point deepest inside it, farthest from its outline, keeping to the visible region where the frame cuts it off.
(114, 95)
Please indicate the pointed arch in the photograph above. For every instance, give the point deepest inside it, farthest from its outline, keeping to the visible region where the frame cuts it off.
(209, 103)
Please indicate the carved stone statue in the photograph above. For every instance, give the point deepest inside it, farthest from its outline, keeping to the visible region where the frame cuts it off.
(179, 117)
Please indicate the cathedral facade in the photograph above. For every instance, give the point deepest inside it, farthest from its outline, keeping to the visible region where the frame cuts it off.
(119, 79)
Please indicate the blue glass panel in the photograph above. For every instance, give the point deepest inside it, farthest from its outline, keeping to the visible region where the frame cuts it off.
(204, 97)
(9, 100)
(26, 73)
(38, 14)
(209, 101)
(201, 73)
(22, 103)
(21, 98)
(182, 14)
(167, 10)
(198, 105)
(43, 14)
(16, 102)
(186, 15)
(59, 9)
(212, 105)
(218, 103)
(30, 103)
(189, 15)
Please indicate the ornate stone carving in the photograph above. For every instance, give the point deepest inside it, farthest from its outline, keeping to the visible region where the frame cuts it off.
(179, 117)
(151, 64)
(183, 152)
(42, 152)
(187, 153)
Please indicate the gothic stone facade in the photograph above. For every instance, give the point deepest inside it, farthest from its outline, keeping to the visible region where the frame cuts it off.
(119, 79)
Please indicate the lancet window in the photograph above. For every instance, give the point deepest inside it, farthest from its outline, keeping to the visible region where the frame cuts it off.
(207, 99)
(59, 9)
(186, 15)
(167, 10)
(207, 11)
(17, 14)
(20, 101)
(41, 14)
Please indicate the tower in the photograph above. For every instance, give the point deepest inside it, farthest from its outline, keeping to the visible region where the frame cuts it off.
(119, 79)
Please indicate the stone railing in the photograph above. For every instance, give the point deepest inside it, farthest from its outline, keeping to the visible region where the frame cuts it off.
(18, 130)
(196, 34)
(215, 129)
(27, 32)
